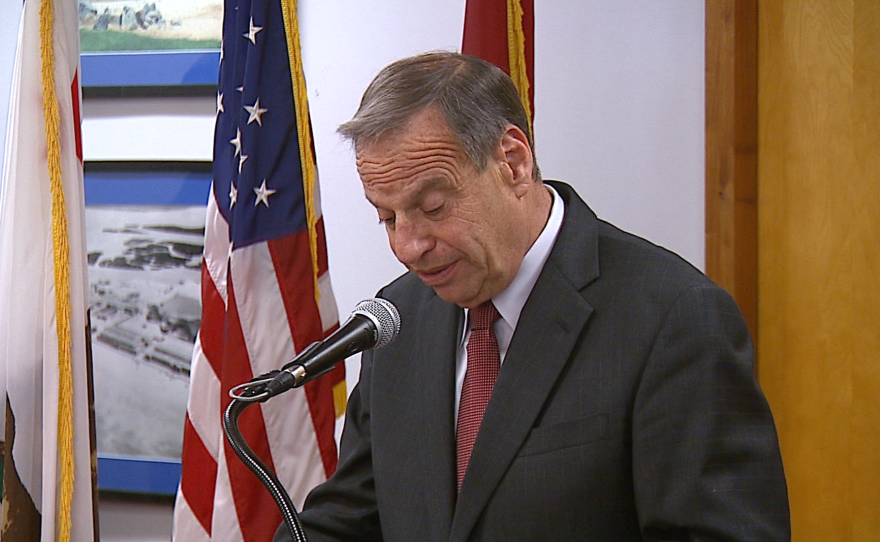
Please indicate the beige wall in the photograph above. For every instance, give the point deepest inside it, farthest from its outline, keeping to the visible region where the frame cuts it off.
(819, 257)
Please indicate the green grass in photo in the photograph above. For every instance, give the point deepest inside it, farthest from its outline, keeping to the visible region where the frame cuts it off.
(109, 40)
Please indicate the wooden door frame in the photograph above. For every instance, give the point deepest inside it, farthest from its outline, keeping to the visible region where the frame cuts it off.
(731, 151)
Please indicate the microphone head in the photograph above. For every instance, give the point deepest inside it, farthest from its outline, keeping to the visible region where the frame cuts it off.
(384, 315)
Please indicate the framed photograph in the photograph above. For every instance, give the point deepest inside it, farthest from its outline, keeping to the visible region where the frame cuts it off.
(145, 238)
(132, 47)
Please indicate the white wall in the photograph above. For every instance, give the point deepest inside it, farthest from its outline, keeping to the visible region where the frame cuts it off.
(618, 113)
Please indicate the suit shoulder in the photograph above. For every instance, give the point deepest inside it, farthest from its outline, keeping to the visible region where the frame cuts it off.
(590, 248)
(645, 266)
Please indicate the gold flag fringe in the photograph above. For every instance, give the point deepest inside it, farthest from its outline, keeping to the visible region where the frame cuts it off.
(516, 51)
(304, 129)
(61, 257)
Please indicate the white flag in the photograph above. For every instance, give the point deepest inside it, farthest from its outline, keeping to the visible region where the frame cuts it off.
(48, 480)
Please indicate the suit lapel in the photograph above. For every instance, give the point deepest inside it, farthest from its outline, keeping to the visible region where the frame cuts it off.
(550, 325)
(440, 327)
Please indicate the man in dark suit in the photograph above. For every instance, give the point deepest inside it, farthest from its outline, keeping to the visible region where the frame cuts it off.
(625, 407)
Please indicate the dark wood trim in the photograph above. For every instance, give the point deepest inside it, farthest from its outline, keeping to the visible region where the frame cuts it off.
(197, 166)
(731, 151)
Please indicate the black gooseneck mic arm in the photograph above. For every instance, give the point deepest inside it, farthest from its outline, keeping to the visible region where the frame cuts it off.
(373, 324)
(253, 462)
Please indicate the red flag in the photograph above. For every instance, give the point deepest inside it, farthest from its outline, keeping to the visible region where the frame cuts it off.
(265, 288)
(503, 32)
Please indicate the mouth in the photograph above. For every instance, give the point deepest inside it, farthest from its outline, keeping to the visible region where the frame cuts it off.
(436, 276)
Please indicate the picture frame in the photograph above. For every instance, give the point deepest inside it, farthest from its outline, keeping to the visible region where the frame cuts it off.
(165, 73)
(150, 47)
(144, 238)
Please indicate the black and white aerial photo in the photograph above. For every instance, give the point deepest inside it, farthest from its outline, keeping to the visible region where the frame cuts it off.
(144, 276)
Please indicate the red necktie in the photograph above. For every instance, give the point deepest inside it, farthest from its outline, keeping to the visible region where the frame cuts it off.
(483, 364)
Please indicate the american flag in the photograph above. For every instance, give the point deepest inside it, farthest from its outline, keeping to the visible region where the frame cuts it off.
(265, 288)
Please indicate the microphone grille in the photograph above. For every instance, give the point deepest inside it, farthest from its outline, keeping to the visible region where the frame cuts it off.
(385, 315)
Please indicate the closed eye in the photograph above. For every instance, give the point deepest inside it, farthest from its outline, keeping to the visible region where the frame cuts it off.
(388, 221)
(434, 211)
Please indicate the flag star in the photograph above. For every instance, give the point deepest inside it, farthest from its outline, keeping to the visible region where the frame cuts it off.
(256, 112)
(252, 33)
(233, 195)
(236, 142)
(241, 160)
(263, 194)
(239, 89)
(219, 102)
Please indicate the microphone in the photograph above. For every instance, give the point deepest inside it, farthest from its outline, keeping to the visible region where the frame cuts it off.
(374, 323)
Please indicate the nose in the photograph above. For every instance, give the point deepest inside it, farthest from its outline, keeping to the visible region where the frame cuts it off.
(410, 240)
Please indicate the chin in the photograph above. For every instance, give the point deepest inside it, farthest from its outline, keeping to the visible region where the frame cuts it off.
(465, 302)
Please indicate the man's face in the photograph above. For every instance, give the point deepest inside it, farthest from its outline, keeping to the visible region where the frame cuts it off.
(459, 230)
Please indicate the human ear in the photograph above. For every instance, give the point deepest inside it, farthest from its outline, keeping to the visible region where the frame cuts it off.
(517, 155)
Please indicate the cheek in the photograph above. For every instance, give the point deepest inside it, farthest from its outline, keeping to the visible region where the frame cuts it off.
(394, 241)
(391, 242)
(453, 233)
(495, 245)
(474, 244)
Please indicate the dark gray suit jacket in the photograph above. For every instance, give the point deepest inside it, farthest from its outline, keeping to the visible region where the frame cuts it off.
(626, 409)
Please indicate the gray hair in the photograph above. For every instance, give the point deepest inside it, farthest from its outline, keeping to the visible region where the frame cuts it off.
(477, 99)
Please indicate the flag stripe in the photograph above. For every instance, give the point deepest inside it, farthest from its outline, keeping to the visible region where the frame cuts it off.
(224, 525)
(211, 330)
(201, 466)
(305, 323)
(291, 260)
(250, 499)
(191, 531)
(203, 415)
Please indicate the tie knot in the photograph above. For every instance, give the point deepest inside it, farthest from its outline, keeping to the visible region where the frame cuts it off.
(483, 316)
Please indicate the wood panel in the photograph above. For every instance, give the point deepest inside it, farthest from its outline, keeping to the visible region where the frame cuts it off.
(731, 150)
(819, 257)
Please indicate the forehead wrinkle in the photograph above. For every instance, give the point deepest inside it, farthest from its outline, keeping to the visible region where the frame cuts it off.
(411, 145)
(394, 169)
(411, 192)
(406, 159)
(411, 166)
(389, 159)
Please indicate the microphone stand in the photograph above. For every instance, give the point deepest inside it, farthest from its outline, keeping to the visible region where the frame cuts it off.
(255, 392)
(374, 324)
